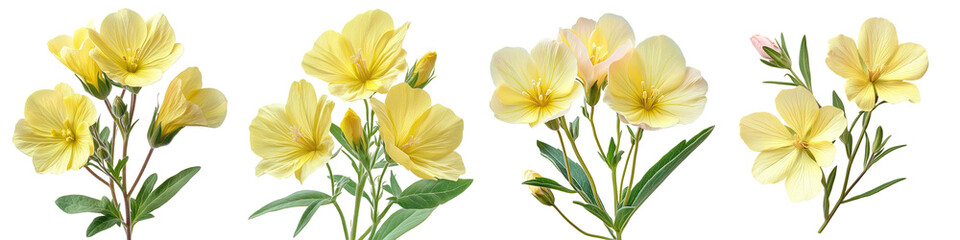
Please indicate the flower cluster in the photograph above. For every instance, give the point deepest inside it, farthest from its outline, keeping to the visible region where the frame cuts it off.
(648, 86)
(876, 68)
(406, 129)
(61, 130)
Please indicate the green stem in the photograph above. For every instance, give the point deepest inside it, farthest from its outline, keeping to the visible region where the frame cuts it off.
(343, 220)
(356, 207)
(633, 169)
(573, 144)
(846, 178)
(575, 225)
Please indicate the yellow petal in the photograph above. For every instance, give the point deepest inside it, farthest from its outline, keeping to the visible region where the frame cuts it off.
(512, 107)
(321, 125)
(448, 167)
(435, 134)
(58, 43)
(121, 31)
(897, 91)
(843, 58)
(352, 127)
(798, 108)
(774, 165)
(556, 65)
(823, 152)
(159, 42)
(612, 31)
(828, 126)
(311, 162)
(301, 106)
(329, 60)
(79, 109)
(513, 67)
(364, 30)
(402, 107)
(861, 92)
(176, 111)
(584, 64)
(878, 42)
(212, 103)
(688, 100)
(583, 28)
(44, 110)
(270, 138)
(803, 182)
(908, 63)
(763, 132)
(661, 62)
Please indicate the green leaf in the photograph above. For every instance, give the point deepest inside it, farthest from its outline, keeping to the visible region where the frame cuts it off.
(878, 139)
(874, 190)
(885, 152)
(101, 223)
(769, 63)
(307, 215)
(575, 128)
(838, 103)
(338, 134)
(805, 62)
(548, 183)
(783, 45)
(596, 211)
(394, 187)
(780, 83)
(828, 188)
(427, 193)
(580, 181)
(400, 222)
(297, 199)
(656, 175)
(167, 190)
(350, 185)
(80, 204)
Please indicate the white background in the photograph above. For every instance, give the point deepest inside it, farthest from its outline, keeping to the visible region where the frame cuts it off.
(252, 52)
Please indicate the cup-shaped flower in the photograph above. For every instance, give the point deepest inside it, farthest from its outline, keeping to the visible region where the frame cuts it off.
(597, 44)
(293, 139)
(653, 88)
(534, 87)
(186, 104)
(74, 52)
(876, 66)
(133, 52)
(422, 72)
(55, 130)
(796, 151)
(420, 136)
(542, 194)
(363, 59)
(759, 42)
(352, 127)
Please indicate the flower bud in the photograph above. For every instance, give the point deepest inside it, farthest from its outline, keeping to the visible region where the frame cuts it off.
(594, 91)
(760, 41)
(352, 128)
(542, 194)
(553, 124)
(422, 72)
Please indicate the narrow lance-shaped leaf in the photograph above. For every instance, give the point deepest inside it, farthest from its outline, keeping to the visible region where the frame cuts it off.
(307, 215)
(101, 223)
(548, 183)
(427, 193)
(875, 190)
(298, 199)
(597, 212)
(167, 190)
(578, 177)
(805, 62)
(400, 222)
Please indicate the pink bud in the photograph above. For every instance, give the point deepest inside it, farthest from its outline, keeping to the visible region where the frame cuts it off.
(760, 41)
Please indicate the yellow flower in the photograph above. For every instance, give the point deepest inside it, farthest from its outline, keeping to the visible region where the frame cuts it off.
(652, 87)
(597, 45)
(420, 136)
(187, 104)
(55, 130)
(293, 139)
(74, 52)
(533, 87)
(422, 70)
(365, 58)
(795, 151)
(542, 194)
(876, 66)
(133, 52)
(352, 127)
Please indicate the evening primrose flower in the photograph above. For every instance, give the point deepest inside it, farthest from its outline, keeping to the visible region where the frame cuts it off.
(420, 136)
(533, 87)
(597, 45)
(796, 151)
(365, 58)
(55, 130)
(542, 194)
(186, 104)
(876, 66)
(293, 139)
(653, 88)
(133, 52)
(74, 52)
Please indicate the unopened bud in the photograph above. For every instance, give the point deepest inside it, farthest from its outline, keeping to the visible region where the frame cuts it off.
(542, 194)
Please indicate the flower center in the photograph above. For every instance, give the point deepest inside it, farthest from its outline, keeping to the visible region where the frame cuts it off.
(299, 138)
(539, 93)
(130, 59)
(65, 133)
(413, 141)
(649, 98)
(360, 66)
(597, 54)
(799, 143)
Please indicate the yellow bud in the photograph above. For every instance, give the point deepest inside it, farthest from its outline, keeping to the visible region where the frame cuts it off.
(352, 128)
(424, 69)
(542, 194)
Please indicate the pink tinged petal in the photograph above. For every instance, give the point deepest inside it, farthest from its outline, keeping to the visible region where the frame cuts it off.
(878, 42)
(583, 28)
(759, 42)
(861, 92)
(585, 68)
(843, 58)
(798, 108)
(828, 126)
(763, 132)
(612, 31)
(688, 100)
(803, 182)
(897, 91)
(908, 63)
(774, 165)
